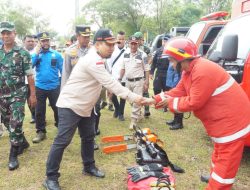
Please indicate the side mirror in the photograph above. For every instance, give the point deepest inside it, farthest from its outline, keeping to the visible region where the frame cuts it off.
(230, 48)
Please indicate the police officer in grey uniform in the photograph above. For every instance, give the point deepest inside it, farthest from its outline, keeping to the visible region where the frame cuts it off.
(136, 69)
(75, 51)
(75, 106)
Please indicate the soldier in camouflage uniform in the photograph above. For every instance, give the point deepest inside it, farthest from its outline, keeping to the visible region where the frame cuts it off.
(145, 49)
(15, 64)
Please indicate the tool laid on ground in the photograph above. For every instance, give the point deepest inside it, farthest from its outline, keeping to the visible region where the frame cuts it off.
(144, 133)
(149, 148)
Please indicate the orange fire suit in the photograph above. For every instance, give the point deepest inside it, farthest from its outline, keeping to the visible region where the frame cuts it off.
(224, 109)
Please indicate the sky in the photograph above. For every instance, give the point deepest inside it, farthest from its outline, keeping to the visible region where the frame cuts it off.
(59, 12)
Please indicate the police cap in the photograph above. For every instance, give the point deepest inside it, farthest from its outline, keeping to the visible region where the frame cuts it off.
(133, 39)
(43, 36)
(106, 35)
(83, 30)
(7, 26)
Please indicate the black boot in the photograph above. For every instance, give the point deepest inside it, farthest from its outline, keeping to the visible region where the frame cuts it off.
(13, 162)
(25, 144)
(171, 122)
(178, 124)
(205, 178)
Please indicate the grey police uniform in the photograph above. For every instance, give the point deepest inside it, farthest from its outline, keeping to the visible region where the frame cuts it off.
(72, 55)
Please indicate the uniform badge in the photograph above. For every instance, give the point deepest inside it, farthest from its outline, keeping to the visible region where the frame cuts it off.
(99, 63)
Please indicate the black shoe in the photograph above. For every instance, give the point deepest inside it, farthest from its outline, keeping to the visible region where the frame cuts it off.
(115, 115)
(147, 114)
(172, 122)
(176, 126)
(98, 132)
(96, 147)
(94, 171)
(32, 121)
(13, 161)
(205, 178)
(51, 185)
(111, 107)
(103, 105)
(25, 144)
(121, 118)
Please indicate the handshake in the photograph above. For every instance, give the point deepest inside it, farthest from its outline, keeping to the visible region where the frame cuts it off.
(142, 101)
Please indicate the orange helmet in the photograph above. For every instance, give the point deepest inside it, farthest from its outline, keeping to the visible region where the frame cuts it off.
(180, 49)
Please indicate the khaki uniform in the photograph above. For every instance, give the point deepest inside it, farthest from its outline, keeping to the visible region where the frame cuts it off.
(83, 87)
(135, 65)
(72, 55)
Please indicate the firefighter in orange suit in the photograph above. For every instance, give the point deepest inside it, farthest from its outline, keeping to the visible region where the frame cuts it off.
(217, 100)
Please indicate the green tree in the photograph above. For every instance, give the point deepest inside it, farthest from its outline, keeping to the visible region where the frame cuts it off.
(123, 13)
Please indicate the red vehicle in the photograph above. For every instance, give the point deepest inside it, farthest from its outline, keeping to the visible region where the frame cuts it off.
(231, 48)
(204, 32)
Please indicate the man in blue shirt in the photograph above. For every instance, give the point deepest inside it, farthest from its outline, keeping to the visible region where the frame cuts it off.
(48, 64)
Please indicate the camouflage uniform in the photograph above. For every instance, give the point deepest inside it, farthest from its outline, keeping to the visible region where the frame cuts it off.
(14, 65)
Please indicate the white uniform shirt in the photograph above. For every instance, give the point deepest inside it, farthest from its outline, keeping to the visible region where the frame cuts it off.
(116, 69)
(135, 64)
(84, 85)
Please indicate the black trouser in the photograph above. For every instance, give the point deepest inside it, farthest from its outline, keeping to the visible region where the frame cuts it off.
(32, 110)
(97, 114)
(68, 122)
(159, 84)
(178, 117)
(119, 106)
(42, 96)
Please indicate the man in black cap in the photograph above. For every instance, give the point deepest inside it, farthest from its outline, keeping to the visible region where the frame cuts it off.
(76, 103)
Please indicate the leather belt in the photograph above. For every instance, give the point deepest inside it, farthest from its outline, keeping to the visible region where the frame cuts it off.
(135, 79)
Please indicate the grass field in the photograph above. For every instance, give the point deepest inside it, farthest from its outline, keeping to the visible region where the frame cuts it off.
(189, 148)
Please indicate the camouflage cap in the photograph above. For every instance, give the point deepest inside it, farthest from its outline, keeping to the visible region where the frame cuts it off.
(7, 26)
(138, 35)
